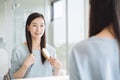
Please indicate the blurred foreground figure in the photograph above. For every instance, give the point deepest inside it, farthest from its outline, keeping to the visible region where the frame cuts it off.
(98, 57)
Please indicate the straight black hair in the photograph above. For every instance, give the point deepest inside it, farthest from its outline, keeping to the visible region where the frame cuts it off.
(30, 18)
(102, 14)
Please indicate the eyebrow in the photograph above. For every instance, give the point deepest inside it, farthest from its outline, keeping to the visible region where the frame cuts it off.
(36, 23)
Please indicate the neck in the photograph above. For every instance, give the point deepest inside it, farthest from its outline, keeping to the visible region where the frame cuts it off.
(36, 44)
(106, 33)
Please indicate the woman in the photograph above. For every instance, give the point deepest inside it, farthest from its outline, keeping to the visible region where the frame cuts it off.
(98, 57)
(27, 59)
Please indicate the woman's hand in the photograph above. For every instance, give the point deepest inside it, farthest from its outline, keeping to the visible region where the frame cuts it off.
(56, 64)
(29, 61)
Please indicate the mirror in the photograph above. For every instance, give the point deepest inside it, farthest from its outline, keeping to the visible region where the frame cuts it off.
(65, 20)
(21, 11)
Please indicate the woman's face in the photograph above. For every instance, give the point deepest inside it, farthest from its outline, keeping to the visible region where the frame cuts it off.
(37, 28)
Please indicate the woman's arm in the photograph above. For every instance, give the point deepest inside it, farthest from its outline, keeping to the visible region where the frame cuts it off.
(27, 63)
(20, 73)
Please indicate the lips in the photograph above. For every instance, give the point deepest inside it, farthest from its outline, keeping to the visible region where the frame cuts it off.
(37, 33)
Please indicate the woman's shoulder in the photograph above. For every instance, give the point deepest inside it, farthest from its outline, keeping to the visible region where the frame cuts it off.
(94, 44)
(95, 41)
(85, 48)
(19, 48)
(84, 44)
(87, 45)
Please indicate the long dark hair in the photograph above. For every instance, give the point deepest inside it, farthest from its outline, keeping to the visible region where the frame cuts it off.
(102, 14)
(30, 18)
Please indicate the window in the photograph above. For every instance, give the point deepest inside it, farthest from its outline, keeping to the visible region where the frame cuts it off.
(59, 31)
(58, 9)
(68, 27)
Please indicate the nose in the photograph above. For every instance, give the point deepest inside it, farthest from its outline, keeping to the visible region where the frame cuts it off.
(38, 28)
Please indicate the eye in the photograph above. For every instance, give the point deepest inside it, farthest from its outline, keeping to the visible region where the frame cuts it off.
(41, 25)
(34, 25)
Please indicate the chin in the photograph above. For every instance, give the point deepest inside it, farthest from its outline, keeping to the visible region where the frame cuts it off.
(37, 37)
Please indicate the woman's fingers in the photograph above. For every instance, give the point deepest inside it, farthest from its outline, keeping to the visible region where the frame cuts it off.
(55, 62)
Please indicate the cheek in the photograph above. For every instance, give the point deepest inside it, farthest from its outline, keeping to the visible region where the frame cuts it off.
(31, 31)
(43, 29)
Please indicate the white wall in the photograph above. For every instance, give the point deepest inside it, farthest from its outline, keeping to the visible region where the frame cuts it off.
(6, 23)
(6, 32)
(9, 27)
(2, 21)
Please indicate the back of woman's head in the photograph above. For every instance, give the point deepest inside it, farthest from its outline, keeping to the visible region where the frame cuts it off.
(102, 14)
